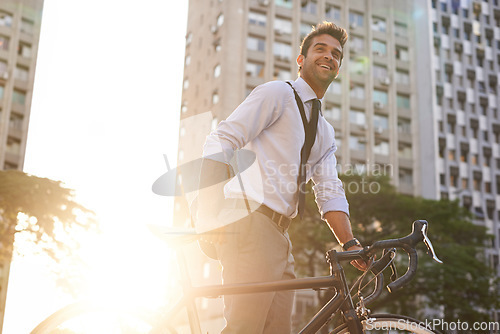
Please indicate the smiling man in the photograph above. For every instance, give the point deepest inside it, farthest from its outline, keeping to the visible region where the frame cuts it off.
(282, 124)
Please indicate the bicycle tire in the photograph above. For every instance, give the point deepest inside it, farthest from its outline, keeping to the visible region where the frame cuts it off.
(136, 322)
(388, 323)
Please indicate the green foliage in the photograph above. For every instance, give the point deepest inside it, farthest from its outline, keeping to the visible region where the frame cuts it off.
(41, 212)
(462, 288)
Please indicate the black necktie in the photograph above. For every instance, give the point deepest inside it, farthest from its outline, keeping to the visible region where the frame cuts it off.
(310, 130)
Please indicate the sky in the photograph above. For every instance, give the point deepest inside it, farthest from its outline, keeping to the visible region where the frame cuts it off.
(105, 110)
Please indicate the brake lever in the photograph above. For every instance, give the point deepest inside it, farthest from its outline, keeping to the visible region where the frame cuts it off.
(428, 244)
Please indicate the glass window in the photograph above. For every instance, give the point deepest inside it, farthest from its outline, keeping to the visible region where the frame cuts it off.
(4, 42)
(13, 145)
(304, 29)
(255, 69)
(5, 19)
(404, 125)
(215, 98)
(187, 61)
(217, 70)
(19, 97)
(220, 20)
(27, 26)
(282, 51)
(400, 29)
(332, 13)
(402, 77)
(405, 151)
(24, 50)
(309, 6)
(357, 143)
(380, 96)
(256, 43)
(333, 113)
(378, 24)
(356, 43)
(189, 38)
(282, 26)
(335, 88)
(380, 122)
(257, 19)
(381, 147)
(16, 122)
(357, 117)
(403, 101)
(402, 53)
(283, 74)
(1, 92)
(284, 3)
(355, 19)
(379, 71)
(357, 92)
(21, 73)
(379, 47)
(186, 84)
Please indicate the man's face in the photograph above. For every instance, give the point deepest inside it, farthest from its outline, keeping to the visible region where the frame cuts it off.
(322, 63)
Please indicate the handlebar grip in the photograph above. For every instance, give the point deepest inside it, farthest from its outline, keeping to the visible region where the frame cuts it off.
(410, 273)
(377, 268)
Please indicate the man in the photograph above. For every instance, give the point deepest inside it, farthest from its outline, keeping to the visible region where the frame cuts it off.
(248, 225)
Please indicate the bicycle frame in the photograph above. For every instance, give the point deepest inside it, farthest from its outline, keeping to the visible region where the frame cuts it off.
(341, 301)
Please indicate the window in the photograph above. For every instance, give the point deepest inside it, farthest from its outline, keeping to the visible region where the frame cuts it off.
(282, 26)
(451, 155)
(378, 24)
(189, 38)
(332, 13)
(405, 151)
(24, 50)
(379, 71)
(404, 125)
(309, 6)
(357, 143)
(187, 60)
(215, 97)
(220, 20)
(255, 69)
(379, 48)
(406, 176)
(282, 74)
(1, 92)
(27, 26)
(355, 19)
(444, 7)
(333, 113)
(21, 73)
(400, 29)
(356, 43)
(380, 96)
(402, 53)
(186, 84)
(284, 3)
(16, 122)
(257, 19)
(5, 19)
(217, 71)
(335, 88)
(358, 92)
(381, 147)
(13, 145)
(380, 122)
(256, 44)
(403, 101)
(402, 77)
(18, 97)
(357, 117)
(4, 43)
(282, 51)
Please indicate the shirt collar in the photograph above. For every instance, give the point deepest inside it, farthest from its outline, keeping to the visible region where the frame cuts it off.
(305, 91)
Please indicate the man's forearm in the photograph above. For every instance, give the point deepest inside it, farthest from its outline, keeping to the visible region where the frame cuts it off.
(340, 225)
(211, 188)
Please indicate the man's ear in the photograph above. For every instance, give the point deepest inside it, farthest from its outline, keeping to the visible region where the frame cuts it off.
(300, 60)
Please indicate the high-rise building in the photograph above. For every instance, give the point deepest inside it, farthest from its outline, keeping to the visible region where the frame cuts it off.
(20, 22)
(416, 98)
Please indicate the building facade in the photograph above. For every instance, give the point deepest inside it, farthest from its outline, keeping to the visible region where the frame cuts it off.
(20, 22)
(416, 98)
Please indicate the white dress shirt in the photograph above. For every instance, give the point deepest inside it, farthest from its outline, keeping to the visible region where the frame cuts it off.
(268, 123)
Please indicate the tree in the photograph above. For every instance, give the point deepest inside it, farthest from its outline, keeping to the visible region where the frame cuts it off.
(463, 288)
(41, 211)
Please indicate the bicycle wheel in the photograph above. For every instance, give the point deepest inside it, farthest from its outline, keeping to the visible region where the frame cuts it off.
(390, 324)
(88, 318)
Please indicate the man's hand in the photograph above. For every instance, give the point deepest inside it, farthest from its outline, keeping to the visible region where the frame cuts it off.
(359, 264)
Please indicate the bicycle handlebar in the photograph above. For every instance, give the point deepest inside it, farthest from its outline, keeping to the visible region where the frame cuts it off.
(408, 244)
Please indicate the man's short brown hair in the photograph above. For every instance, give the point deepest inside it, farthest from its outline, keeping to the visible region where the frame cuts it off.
(328, 28)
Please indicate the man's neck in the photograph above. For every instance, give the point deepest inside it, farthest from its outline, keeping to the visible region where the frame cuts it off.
(319, 91)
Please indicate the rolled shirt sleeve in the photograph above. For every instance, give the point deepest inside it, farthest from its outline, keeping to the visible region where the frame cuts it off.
(328, 189)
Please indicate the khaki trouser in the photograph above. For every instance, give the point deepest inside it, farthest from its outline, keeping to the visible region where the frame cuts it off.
(255, 249)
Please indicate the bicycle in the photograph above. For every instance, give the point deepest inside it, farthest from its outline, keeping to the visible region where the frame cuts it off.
(356, 318)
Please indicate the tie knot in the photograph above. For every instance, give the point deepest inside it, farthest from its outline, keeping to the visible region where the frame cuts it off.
(316, 105)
